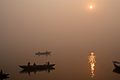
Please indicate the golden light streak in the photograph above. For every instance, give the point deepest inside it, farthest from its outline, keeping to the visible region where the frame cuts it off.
(92, 62)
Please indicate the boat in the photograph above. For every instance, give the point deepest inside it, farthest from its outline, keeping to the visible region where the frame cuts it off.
(3, 75)
(116, 70)
(116, 64)
(43, 53)
(36, 67)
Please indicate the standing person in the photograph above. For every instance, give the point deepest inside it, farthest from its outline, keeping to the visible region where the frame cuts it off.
(1, 72)
(48, 63)
(34, 64)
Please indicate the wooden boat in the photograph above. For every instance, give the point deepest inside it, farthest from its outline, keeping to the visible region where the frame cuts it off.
(3, 75)
(36, 67)
(43, 53)
(116, 70)
(116, 64)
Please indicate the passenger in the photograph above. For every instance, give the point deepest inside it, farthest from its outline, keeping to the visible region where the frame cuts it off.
(48, 63)
(1, 72)
(34, 64)
(28, 63)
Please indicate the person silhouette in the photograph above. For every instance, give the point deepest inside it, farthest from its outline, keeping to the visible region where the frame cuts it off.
(48, 63)
(1, 72)
(34, 64)
(28, 63)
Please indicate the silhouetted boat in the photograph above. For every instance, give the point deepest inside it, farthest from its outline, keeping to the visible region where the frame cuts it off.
(116, 64)
(37, 67)
(3, 75)
(117, 67)
(43, 53)
(116, 70)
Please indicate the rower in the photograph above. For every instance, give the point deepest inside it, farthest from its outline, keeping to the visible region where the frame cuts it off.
(28, 63)
(48, 63)
(1, 72)
(34, 64)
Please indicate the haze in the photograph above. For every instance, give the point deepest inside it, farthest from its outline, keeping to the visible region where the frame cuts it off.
(59, 23)
(69, 26)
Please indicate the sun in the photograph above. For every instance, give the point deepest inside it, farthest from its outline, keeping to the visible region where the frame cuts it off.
(91, 6)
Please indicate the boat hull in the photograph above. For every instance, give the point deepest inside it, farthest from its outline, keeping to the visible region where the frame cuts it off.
(116, 64)
(43, 53)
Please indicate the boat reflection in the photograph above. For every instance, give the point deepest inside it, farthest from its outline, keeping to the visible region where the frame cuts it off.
(4, 78)
(37, 68)
(92, 63)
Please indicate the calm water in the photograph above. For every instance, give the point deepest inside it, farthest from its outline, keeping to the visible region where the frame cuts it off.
(71, 29)
(72, 66)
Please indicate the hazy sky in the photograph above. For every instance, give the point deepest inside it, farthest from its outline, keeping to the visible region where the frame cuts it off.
(57, 22)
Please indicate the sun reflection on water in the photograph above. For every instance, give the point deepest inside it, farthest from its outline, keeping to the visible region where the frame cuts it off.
(92, 63)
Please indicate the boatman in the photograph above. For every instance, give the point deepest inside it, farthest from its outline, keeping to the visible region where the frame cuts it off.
(28, 63)
(48, 63)
(34, 64)
(1, 72)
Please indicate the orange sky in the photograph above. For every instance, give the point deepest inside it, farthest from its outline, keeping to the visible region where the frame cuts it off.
(59, 23)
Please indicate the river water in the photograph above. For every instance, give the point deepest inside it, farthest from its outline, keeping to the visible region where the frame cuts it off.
(70, 29)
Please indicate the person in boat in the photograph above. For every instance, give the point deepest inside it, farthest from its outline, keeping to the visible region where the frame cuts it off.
(48, 63)
(46, 51)
(34, 64)
(1, 72)
(28, 63)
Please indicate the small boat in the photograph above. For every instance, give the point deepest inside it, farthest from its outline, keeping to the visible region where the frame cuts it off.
(37, 67)
(3, 75)
(116, 70)
(43, 53)
(116, 64)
